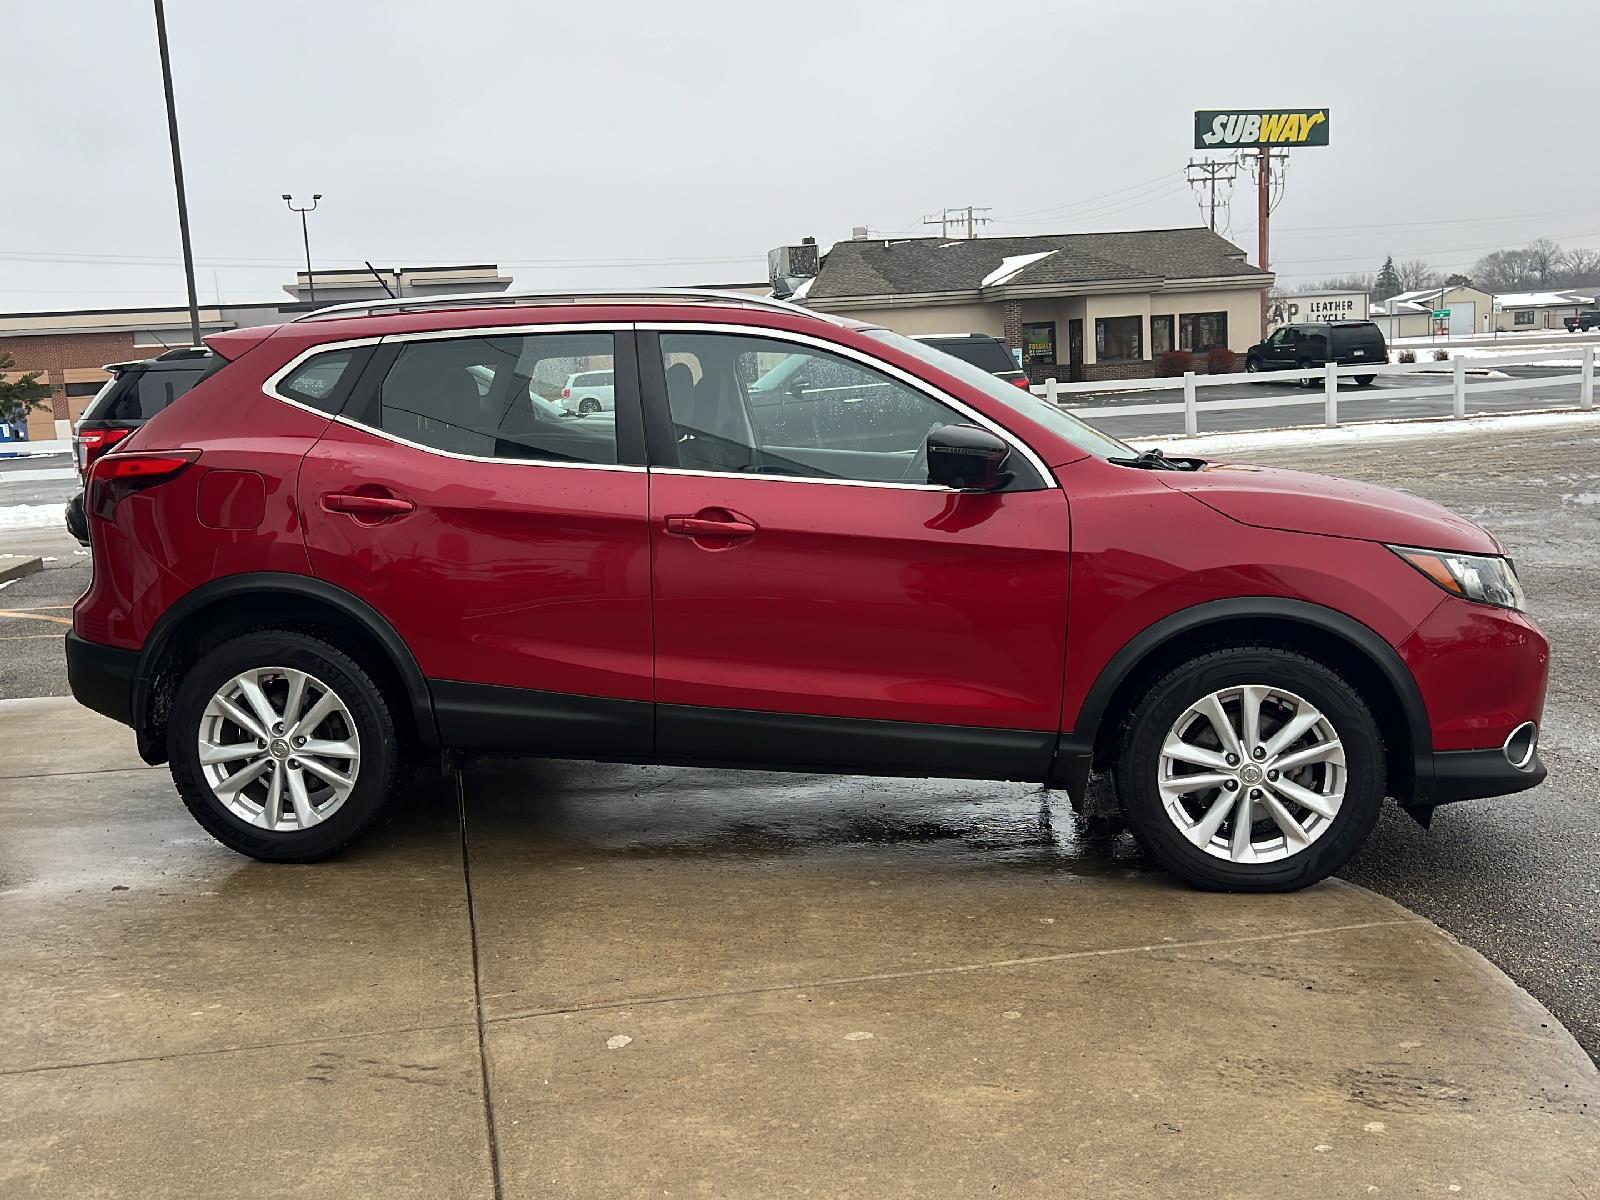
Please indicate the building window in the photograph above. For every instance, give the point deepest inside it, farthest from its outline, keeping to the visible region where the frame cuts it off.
(84, 389)
(1522, 316)
(1160, 336)
(1039, 344)
(1201, 331)
(1117, 339)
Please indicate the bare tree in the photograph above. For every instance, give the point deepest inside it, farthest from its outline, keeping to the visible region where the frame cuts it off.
(1544, 261)
(1580, 267)
(1356, 282)
(1414, 275)
(1505, 271)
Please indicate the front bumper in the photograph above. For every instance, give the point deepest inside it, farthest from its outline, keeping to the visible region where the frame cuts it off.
(102, 677)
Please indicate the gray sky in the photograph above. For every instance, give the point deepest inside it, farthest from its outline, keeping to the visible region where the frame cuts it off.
(698, 134)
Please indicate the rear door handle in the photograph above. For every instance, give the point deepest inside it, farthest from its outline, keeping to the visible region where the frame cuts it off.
(359, 504)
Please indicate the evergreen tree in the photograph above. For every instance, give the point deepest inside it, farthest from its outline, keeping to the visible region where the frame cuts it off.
(19, 396)
(1388, 283)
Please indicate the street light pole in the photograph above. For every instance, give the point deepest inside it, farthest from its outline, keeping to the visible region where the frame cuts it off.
(305, 236)
(177, 173)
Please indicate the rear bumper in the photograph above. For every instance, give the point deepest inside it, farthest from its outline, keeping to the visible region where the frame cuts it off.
(102, 677)
(1473, 774)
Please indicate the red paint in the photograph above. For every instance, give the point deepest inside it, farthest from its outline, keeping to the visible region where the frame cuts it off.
(752, 592)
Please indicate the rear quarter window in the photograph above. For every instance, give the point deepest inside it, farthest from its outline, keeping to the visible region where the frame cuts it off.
(321, 381)
(140, 395)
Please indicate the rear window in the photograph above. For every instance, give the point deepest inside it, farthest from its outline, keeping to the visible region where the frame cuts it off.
(595, 379)
(1358, 334)
(987, 353)
(139, 395)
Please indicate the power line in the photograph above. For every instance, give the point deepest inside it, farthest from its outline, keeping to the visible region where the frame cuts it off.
(1207, 173)
(956, 216)
(1010, 217)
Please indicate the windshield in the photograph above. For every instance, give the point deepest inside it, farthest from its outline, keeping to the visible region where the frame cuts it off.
(1084, 436)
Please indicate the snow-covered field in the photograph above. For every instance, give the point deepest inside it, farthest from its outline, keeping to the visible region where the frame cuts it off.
(1372, 432)
(29, 516)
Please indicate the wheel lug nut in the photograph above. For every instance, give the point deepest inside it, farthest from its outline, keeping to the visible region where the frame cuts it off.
(261, 743)
(1232, 785)
(1255, 793)
(294, 764)
(278, 728)
(1233, 760)
(1272, 775)
(300, 741)
(1260, 752)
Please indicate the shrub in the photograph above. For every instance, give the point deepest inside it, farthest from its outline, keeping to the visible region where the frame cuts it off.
(1221, 361)
(1174, 362)
(1441, 356)
(1407, 356)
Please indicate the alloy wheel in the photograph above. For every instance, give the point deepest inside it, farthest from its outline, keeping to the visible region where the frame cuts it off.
(1252, 773)
(279, 748)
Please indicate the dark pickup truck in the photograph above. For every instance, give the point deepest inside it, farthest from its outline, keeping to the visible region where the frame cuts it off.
(1583, 322)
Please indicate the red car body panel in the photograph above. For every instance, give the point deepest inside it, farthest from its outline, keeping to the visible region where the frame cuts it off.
(863, 602)
(513, 574)
(996, 611)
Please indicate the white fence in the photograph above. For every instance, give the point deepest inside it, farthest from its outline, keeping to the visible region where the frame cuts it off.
(1456, 387)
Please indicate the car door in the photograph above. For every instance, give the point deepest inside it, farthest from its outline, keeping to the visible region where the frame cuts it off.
(1281, 347)
(817, 602)
(504, 539)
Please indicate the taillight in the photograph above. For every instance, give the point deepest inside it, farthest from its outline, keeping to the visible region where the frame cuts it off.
(566, 393)
(1024, 383)
(115, 476)
(92, 443)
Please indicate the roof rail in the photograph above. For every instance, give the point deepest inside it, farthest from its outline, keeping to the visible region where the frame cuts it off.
(365, 308)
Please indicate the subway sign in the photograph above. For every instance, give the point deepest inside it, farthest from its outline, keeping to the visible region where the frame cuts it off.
(1251, 128)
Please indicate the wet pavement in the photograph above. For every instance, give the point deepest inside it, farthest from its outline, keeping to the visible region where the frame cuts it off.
(567, 979)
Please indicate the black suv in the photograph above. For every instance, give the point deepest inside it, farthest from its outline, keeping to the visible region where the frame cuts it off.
(1296, 347)
(982, 350)
(137, 392)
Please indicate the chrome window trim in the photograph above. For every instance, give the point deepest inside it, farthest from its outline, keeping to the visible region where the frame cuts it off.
(270, 386)
(896, 485)
(876, 364)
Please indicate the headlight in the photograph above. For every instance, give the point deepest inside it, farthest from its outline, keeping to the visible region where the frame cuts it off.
(1477, 577)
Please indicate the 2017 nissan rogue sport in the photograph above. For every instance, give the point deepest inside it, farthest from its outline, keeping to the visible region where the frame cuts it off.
(364, 537)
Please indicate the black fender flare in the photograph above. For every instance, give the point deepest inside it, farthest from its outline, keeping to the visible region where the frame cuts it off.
(1078, 744)
(257, 583)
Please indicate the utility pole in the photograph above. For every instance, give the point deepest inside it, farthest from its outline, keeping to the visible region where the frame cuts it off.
(1208, 172)
(305, 236)
(177, 174)
(956, 216)
(1263, 159)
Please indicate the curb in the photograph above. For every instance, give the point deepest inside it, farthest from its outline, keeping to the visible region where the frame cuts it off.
(16, 570)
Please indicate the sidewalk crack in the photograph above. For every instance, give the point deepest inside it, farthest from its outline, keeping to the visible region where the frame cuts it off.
(477, 993)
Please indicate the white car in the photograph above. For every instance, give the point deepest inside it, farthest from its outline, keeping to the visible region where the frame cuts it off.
(590, 392)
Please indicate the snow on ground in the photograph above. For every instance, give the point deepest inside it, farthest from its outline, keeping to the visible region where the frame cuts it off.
(30, 516)
(1372, 431)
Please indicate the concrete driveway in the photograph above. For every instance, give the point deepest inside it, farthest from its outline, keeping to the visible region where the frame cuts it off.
(559, 979)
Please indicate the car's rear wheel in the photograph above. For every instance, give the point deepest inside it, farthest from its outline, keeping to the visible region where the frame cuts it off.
(1365, 380)
(1251, 769)
(1305, 364)
(283, 747)
(589, 405)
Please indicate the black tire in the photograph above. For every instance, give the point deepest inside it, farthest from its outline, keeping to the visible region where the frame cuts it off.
(1253, 366)
(382, 755)
(589, 405)
(1305, 364)
(1139, 755)
(1365, 380)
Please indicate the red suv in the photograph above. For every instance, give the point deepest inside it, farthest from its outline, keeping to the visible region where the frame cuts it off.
(798, 543)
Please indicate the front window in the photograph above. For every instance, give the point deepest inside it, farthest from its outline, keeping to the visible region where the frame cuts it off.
(1522, 316)
(1160, 335)
(1024, 403)
(755, 405)
(1117, 339)
(1201, 331)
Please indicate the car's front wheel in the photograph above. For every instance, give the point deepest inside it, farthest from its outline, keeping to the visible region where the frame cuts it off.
(1251, 769)
(283, 746)
(590, 405)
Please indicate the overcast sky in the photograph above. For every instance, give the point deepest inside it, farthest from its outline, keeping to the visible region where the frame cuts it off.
(675, 141)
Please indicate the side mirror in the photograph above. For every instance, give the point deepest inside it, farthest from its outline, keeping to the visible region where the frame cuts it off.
(967, 458)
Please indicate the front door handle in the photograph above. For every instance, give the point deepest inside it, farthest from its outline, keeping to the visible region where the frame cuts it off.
(364, 505)
(711, 523)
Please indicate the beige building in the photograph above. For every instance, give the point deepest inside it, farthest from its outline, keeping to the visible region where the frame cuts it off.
(1519, 312)
(1076, 306)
